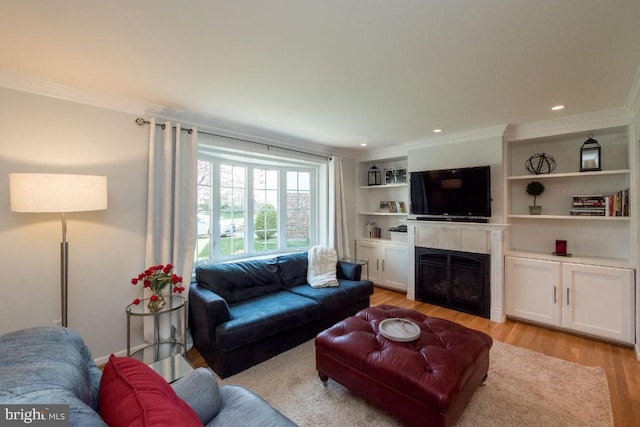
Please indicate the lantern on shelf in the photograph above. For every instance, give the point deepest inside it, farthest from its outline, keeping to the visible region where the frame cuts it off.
(590, 155)
(374, 176)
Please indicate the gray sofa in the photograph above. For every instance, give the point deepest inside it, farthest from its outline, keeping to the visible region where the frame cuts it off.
(243, 313)
(52, 365)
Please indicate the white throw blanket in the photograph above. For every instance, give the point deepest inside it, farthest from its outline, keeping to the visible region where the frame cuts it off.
(321, 269)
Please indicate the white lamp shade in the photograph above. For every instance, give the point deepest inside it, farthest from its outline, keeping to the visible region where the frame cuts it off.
(39, 192)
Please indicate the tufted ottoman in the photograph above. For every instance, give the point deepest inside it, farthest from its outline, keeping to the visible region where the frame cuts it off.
(428, 381)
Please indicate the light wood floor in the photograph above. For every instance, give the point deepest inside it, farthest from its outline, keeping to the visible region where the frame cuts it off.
(619, 363)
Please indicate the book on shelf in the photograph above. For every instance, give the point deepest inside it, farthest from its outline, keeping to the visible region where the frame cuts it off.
(616, 204)
(385, 206)
(392, 206)
(588, 212)
(588, 205)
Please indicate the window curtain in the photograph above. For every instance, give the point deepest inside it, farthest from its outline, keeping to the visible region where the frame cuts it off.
(171, 211)
(338, 233)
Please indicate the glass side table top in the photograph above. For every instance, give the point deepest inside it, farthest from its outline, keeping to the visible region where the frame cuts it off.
(174, 302)
(172, 368)
(156, 352)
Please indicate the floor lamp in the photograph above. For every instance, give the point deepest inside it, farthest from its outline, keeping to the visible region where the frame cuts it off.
(36, 192)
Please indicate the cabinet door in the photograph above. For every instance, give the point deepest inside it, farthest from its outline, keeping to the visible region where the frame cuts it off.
(371, 252)
(599, 301)
(395, 266)
(532, 290)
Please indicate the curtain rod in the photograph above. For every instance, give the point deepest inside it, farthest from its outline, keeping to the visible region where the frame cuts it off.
(141, 122)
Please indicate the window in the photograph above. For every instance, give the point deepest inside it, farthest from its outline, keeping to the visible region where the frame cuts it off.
(251, 206)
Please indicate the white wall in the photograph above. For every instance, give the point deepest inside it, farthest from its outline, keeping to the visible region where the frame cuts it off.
(42, 134)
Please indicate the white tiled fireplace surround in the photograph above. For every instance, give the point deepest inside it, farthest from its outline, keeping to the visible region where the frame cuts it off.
(464, 237)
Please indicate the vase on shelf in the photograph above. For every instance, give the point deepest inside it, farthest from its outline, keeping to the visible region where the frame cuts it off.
(535, 210)
(156, 303)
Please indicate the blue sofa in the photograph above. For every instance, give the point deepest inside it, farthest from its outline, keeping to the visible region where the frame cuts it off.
(243, 313)
(52, 365)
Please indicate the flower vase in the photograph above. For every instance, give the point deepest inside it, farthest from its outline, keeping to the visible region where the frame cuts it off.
(155, 305)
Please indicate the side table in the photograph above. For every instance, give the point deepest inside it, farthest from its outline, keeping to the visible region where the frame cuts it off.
(158, 349)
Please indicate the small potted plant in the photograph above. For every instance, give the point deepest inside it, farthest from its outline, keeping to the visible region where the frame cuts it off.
(535, 188)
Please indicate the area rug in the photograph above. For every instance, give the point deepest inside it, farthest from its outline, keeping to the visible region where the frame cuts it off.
(524, 388)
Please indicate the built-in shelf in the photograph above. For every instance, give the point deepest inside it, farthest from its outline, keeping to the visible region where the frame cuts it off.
(598, 237)
(384, 213)
(569, 175)
(572, 217)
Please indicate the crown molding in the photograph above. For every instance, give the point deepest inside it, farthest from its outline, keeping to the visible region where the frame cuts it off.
(474, 135)
(24, 83)
(385, 153)
(633, 101)
(573, 124)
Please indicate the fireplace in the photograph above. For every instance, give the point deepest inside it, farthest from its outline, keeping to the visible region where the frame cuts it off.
(454, 279)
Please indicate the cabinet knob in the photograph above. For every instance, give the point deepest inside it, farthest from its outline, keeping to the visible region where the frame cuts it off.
(567, 296)
(555, 299)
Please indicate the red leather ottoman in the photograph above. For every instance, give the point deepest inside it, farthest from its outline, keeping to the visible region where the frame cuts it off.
(428, 381)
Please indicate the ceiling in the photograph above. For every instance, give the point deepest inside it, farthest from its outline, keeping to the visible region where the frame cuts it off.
(336, 72)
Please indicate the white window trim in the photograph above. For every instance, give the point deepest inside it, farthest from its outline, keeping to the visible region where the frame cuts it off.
(318, 169)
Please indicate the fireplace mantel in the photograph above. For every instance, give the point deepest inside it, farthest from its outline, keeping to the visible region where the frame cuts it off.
(464, 237)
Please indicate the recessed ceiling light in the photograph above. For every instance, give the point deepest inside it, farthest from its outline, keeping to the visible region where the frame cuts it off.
(364, 144)
(437, 130)
(557, 108)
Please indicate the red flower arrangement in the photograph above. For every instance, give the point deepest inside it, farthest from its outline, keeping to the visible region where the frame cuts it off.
(156, 278)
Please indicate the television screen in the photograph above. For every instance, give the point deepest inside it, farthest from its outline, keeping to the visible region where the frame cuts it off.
(463, 192)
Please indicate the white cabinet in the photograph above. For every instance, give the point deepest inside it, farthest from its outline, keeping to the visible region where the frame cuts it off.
(370, 250)
(388, 262)
(532, 290)
(593, 300)
(599, 301)
(395, 265)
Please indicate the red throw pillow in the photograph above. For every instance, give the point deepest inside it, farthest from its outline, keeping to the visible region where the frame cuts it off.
(133, 394)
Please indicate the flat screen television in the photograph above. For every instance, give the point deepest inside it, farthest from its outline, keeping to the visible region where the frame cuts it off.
(462, 194)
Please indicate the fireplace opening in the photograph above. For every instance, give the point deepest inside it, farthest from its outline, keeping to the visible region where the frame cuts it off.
(453, 279)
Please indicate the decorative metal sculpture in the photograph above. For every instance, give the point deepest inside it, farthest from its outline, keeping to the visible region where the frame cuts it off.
(540, 163)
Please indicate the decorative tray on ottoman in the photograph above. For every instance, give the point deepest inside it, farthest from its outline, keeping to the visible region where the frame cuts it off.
(396, 329)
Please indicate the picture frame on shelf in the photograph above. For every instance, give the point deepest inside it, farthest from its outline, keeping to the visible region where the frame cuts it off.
(395, 176)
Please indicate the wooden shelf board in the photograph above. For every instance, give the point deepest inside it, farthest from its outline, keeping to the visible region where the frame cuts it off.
(569, 175)
(571, 217)
(576, 259)
(370, 187)
(383, 213)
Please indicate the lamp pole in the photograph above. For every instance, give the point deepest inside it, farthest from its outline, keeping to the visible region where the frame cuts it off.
(64, 269)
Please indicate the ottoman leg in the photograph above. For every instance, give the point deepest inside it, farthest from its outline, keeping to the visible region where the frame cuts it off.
(484, 379)
(324, 378)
